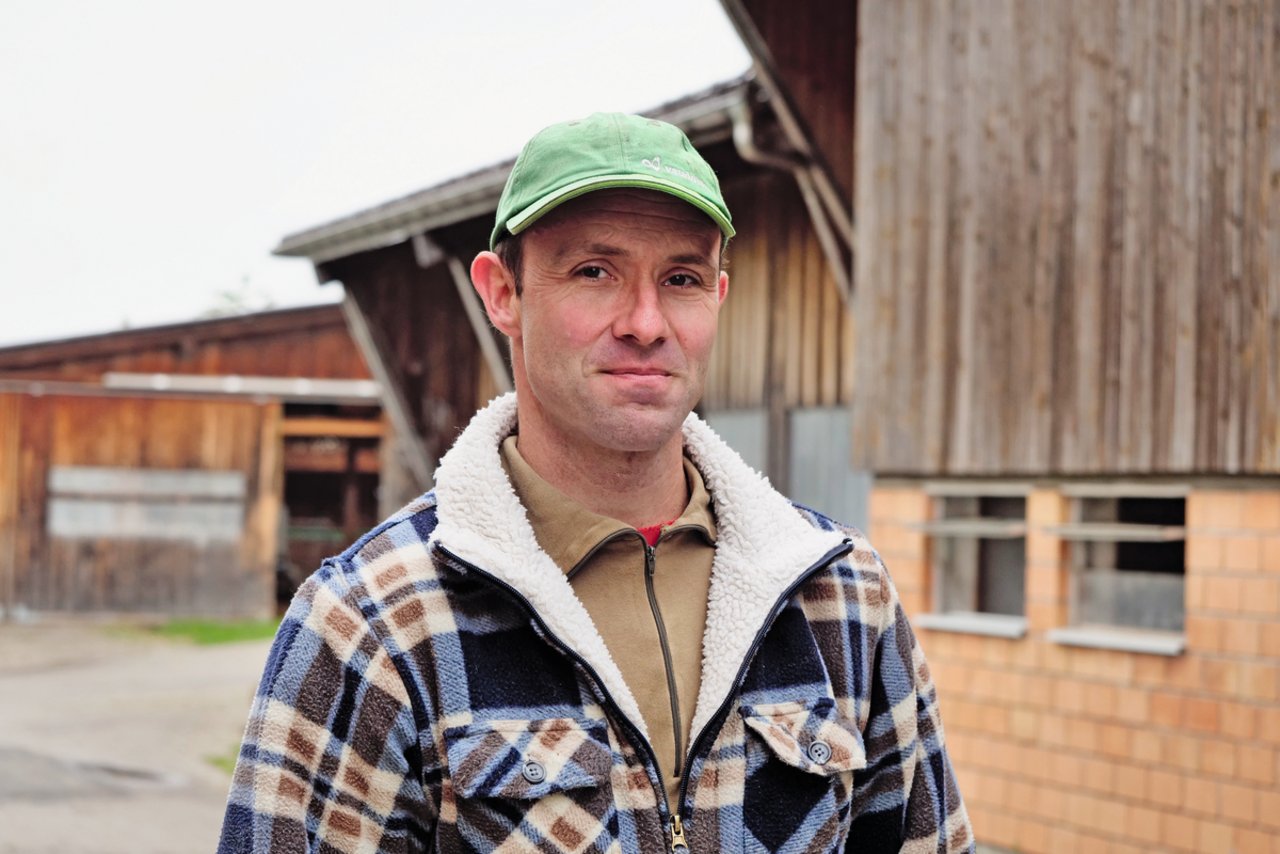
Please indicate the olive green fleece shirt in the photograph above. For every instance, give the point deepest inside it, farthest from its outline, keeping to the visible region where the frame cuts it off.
(605, 561)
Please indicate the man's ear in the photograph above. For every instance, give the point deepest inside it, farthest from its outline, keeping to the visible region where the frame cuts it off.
(722, 289)
(497, 288)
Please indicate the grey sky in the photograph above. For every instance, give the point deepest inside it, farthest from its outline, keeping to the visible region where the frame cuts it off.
(152, 153)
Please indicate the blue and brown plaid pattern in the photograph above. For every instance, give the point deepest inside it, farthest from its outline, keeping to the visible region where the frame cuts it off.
(438, 687)
(411, 705)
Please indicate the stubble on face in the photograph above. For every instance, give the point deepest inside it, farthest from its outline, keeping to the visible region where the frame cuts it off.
(621, 294)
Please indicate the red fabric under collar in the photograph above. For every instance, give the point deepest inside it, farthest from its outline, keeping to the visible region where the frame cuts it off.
(652, 532)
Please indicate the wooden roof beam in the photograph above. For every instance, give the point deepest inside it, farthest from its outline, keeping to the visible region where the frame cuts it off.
(376, 355)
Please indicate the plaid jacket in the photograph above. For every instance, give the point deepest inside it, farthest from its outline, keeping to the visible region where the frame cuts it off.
(439, 687)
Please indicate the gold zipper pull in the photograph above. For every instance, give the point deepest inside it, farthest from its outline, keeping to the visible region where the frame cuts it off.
(678, 845)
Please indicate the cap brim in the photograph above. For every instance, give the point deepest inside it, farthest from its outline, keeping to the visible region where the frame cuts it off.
(527, 217)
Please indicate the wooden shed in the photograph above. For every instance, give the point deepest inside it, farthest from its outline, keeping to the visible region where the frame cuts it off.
(1067, 388)
(186, 469)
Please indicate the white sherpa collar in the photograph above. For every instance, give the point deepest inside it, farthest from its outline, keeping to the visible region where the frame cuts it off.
(762, 546)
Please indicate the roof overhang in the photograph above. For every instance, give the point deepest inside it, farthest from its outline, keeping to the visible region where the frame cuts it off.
(704, 116)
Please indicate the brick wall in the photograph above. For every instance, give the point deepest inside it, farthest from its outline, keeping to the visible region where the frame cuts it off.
(1063, 748)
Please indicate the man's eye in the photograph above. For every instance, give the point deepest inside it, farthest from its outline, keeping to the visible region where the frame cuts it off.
(592, 272)
(683, 280)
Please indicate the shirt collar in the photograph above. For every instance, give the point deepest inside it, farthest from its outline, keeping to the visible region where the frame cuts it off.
(568, 532)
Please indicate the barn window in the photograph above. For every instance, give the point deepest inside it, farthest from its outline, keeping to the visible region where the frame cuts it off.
(1128, 566)
(978, 549)
(94, 502)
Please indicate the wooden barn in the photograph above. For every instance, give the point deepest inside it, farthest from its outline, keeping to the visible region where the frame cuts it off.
(1066, 231)
(198, 468)
(1019, 265)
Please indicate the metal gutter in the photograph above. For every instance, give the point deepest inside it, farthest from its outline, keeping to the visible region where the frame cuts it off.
(802, 170)
(790, 119)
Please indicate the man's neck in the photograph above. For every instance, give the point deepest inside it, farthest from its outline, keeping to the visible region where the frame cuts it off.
(638, 488)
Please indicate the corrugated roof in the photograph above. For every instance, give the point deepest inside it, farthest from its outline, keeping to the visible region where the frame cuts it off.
(703, 116)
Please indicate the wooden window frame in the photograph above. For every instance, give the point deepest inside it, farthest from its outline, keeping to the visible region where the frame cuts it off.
(1084, 630)
(976, 528)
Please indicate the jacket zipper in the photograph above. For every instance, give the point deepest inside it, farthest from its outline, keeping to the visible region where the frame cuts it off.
(678, 844)
(629, 728)
(696, 746)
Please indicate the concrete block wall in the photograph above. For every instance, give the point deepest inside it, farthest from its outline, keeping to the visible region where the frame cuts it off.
(1063, 748)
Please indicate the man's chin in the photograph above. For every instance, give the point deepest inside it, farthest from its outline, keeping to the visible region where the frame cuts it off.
(639, 428)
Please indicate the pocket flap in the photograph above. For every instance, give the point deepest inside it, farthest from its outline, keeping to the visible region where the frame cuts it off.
(809, 735)
(527, 759)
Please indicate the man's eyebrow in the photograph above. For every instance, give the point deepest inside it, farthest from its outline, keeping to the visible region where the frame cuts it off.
(606, 249)
(692, 259)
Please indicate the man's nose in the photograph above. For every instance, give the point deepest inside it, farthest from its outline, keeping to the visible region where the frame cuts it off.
(641, 316)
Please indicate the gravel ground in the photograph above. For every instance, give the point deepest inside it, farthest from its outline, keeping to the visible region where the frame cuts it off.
(107, 735)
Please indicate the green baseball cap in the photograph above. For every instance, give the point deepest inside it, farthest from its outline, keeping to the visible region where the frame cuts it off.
(603, 151)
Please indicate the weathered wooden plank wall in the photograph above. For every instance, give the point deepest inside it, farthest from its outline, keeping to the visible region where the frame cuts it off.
(785, 336)
(309, 342)
(45, 570)
(1068, 237)
(433, 352)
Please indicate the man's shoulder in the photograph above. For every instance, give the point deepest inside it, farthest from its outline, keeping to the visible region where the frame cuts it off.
(822, 521)
(393, 552)
(409, 527)
(862, 556)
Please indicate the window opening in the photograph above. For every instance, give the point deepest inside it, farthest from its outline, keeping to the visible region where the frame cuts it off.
(978, 548)
(1128, 561)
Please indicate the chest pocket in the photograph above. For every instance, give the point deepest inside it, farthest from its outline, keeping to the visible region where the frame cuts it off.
(799, 777)
(809, 736)
(533, 784)
(527, 760)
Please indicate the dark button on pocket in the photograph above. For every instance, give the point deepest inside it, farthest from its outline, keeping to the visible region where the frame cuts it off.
(819, 752)
(533, 771)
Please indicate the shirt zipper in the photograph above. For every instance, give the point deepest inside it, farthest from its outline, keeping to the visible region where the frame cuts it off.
(650, 565)
(676, 826)
(650, 568)
(678, 843)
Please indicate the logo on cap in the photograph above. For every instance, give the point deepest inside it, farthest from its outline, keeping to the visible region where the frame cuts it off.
(657, 165)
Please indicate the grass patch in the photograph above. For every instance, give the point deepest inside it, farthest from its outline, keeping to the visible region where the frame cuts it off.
(206, 632)
(226, 761)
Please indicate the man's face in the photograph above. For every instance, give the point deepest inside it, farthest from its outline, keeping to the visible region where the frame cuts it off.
(621, 290)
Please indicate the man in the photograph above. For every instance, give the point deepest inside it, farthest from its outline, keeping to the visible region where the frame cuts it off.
(601, 631)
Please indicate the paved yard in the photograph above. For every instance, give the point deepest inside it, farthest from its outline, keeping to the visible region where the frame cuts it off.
(106, 736)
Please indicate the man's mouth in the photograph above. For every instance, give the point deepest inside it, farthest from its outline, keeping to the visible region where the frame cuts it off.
(638, 371)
